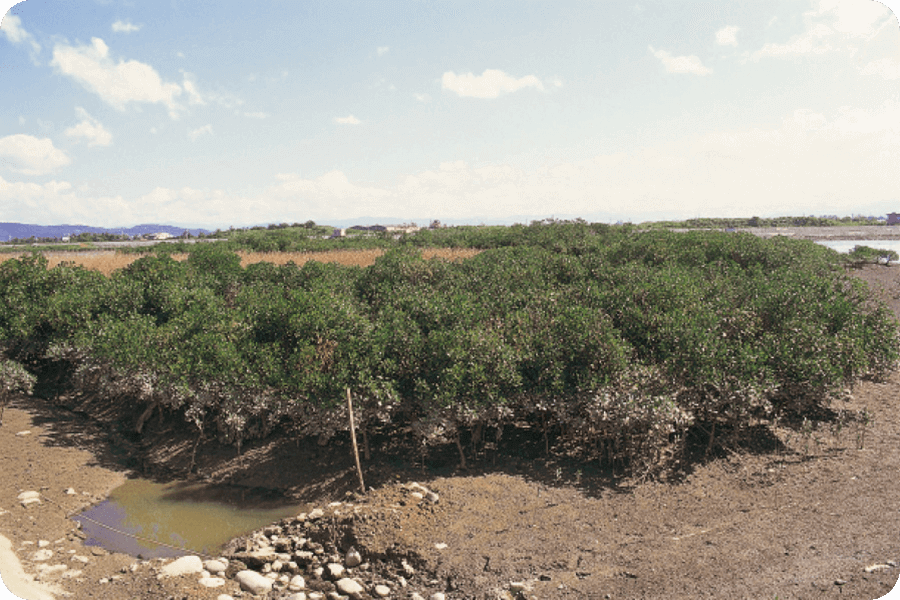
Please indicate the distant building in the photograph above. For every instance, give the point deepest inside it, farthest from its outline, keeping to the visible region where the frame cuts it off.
(893, 219)
(339, 233)
(161, 236)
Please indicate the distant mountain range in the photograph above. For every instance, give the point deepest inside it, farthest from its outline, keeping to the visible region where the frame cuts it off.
(23, 231)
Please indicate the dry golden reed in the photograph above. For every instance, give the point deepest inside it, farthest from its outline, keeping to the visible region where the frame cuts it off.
(106, 261)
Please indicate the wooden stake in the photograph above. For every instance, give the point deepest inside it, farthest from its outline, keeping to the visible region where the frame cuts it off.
(362, 484)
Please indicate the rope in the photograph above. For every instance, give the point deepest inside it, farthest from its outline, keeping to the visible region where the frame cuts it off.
(125, 533)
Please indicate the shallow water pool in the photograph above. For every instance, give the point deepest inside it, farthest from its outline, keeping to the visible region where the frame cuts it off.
(152, 520)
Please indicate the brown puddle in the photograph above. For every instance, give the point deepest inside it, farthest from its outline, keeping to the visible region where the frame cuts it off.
(152, 520)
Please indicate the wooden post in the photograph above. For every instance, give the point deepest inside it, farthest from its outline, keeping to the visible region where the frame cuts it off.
(362, 484)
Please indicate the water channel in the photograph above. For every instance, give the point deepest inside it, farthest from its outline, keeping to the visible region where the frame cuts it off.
(150, 520)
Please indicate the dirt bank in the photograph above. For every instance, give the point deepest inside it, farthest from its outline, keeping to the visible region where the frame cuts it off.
(804, 511)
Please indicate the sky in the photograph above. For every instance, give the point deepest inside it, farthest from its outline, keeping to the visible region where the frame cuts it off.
(193, 113)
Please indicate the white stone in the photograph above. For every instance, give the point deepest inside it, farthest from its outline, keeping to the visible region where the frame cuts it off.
(438, 596)
(45, 554)
(417, 496)
(297, 596)
(224, 597)
(415, 596)
(518, 586)
(81, 559)
(441, 546)
(50, 572)
(297, 583)
(23, 433)
(215, 566)
(72, 574)
(314, 514)
(43, 543)
(212, 582)
(432, 497)
(253, 582)
(335, 570)
(186, 565)
(29, 498)
(349, 587)
(382, 591)
(70, 491)
(352, 558)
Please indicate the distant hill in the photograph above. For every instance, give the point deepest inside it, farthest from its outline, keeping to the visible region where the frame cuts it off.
(10, 231)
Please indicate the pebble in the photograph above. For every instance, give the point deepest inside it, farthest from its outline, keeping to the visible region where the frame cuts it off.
(23, 433)
(43, 543)
(878, 567)
(415, 596)
(98, 551)
(212, 582)
(224, 597)
(70, 491)
(297, 596)
(352, 558)
(29, 498)
(45, 554)
(80, 558)
(438, 596)
(440, 546)
(253, 582)
(215, 566)
(335, 570)
(382, 591)
(297, 583)
(317, 513)
(186, 565)
(350, 587)
(49, 572)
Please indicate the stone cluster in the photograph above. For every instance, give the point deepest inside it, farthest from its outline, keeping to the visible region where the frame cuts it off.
(295, 560)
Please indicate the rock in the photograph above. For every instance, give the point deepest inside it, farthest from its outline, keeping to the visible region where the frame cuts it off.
(314, 514)
(315, 596)
(352, 558)
(350, 587)
(432, 497)
(72, 574)
(29, 498)
(212, 582)
(297, 596)
(81, 559)
(224, 597)
(335, 570)
(441, 546)
(257, 558)
(50, 572)
(407, 568)
(186, 565)
(98, 551)
(382, 591)
(215, 566)
(70, 491)
(43, 543)
(518, 586)
(297, 583)
(417, 496)
(234, 567)
(415, 596)
(877, 567)
(277, 566)
(253, 582)
(45, 554)
(23, 433)
(438, 596)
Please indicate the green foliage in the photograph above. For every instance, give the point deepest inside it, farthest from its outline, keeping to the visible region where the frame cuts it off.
(861, 255)
(621, 338)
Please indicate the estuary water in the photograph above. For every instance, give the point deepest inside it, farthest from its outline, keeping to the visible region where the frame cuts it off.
(848, 245)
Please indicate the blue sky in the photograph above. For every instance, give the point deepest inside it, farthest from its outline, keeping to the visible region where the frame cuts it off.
(210, 114)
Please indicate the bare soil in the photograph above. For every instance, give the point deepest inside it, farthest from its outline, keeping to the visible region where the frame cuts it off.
(795, 510)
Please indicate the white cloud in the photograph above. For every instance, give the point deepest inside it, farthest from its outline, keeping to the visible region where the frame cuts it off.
(382, 50)
(30, 155)
(11, 27)
(887, 68)
(422, 97)
(257, 115)
(91, 129)
(490, 84)
(348, 120)
(832, 25)
(190, 86)
(117, 83)
(205, 130)
(681, 64)
(125, 27)
(727, 36)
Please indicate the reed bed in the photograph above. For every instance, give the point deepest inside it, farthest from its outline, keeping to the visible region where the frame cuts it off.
(108, 261)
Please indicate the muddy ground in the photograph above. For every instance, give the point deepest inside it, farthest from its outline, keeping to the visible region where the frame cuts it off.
(801, 512)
